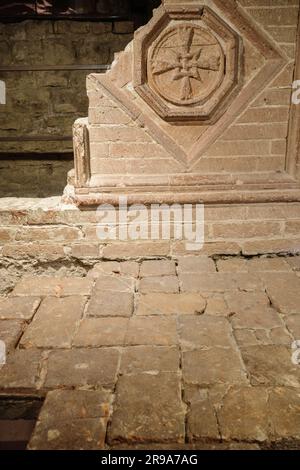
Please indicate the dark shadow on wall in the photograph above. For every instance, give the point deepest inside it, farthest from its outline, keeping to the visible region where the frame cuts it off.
(34, 176)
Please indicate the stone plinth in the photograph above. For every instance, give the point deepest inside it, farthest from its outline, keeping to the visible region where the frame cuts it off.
(196, 108)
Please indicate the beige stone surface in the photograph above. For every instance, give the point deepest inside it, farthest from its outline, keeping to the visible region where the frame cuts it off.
(110, 304)
(155, 268)
(55, 323)
(220, 362)
(204, 332)
(14, 308)
(218, 282)
(284, 291)
(170, 304)
(262, 317)
(10, 332)
(164, 284)
(149, 359)
(72, 420)
(202, 419)
(293, 324)
(148, 408)
(195, 264)
(271, 365)
(97, 332)
(213, 366)
(158, 331)
(252, 405)
(114, 284)
(86, 368)
(22, 371)
(126, 268)
(58, 287)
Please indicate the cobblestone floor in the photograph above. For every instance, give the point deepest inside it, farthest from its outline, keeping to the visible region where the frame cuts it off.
(185, 353)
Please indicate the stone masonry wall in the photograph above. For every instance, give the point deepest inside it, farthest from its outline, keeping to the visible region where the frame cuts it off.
(253, 142)
(45, 103)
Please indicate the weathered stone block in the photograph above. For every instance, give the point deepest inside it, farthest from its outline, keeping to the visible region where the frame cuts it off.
(158, 413)
(55, 323)
(87, 368)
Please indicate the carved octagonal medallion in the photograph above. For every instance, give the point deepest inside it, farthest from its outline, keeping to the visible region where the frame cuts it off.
(188, 70)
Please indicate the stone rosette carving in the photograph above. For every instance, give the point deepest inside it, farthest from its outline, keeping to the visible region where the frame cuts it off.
(188, 64)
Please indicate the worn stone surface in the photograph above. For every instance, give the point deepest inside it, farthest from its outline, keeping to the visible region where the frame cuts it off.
(161, 267)
(227, 354)
(96, 332)
(257, 318)
(170, 304)
(213, 366)
(58, 287)
(10, 332)
(165, 284)
(271, 365)
(127, 268)
(148, 408)
(284, 291)
(204, 332)
(293, 324)
(202, 419)
(14, 308)
(22, 371)
(196, 264)
(218, 282)
(158, 331)
(82, 368)
(55, 323)
(72, 420)
(244, 415)
(110, 304)
(284, 406)
(242, 301)
(114, 284)
(216, 305)
(149, 359)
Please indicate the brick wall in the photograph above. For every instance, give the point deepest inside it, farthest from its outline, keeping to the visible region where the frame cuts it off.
(45, 103)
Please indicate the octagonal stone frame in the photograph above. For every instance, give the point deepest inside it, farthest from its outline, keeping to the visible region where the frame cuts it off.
(216, 104)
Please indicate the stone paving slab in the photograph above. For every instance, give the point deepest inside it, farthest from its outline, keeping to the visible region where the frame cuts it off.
(148, 408)
(190, 352)
(14, 308)
(97, 332)
(10, 332)
(53, 286)
(170, 304)
(55, 323)
(109, 304)
(88, 368)
(72, 420)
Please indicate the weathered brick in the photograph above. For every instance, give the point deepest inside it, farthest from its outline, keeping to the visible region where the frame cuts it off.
(204, 332)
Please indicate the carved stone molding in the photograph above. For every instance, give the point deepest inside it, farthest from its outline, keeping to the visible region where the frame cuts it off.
(185, 70)
(81, 152)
